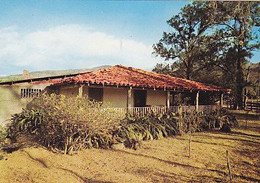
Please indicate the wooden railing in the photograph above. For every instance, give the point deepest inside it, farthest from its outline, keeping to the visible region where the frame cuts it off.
(253, 106)
(142, 111)
(208, 108)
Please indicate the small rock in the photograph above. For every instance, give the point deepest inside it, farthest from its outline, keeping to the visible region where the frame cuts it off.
(1, 157)
(119, 146)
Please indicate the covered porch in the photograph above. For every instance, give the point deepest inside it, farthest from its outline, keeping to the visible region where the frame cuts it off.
(133, 90)
(143, 101)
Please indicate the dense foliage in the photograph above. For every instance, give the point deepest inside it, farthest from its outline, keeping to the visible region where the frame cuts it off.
(59, 121)
(212, 42)
(71, 124)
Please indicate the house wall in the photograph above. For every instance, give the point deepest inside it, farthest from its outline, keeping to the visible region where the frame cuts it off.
(69, 91)
(156, 97)
(115, 97)
(112, 97)
(11, 101)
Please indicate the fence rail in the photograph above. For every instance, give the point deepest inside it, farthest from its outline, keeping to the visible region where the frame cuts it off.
(142, 111)
(253, 106)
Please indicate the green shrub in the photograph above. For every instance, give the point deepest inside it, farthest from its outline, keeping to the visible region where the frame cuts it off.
(67, 123)
(62, 109)
(136, 129)
(75, 123)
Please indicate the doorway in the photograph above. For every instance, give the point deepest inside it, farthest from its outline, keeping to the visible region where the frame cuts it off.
(140, 98)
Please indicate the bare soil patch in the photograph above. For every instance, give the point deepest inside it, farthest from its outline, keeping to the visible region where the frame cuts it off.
(164, 160)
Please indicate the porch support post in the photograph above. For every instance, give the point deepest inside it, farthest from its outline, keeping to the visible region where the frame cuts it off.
(197, 101)
(81, 90)
(221, 99)
(245, 97)
(168, 99)
(129, 96)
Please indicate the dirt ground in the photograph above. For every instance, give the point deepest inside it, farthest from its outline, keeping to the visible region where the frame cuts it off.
(165, 160)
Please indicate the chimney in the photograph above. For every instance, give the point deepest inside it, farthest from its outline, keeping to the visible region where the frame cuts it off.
(26, 74)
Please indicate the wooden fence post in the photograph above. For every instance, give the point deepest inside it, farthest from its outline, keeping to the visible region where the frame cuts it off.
(229, 168)
(246, 118)
(189, 144)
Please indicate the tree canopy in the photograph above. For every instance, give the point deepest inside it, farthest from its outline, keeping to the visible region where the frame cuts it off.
(182, 45)
(215, 38)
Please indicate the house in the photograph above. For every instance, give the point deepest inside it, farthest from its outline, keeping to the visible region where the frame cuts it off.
(118, 87)
(15, 95)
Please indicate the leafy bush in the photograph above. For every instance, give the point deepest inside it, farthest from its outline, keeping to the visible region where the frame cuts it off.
(66, 123)
(156, 126)
(75, 123)
(136, 129)
(227, 117)
(62, 109)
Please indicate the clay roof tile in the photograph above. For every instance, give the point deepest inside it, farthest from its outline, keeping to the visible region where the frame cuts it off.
(128, 76)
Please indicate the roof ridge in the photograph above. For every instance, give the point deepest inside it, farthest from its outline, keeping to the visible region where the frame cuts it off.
(140, 71)
(149, 72)
(135, 70)
(153, 74)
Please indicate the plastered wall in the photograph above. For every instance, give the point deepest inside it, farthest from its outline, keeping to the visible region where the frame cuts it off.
(156, 98)
(115, 97)
(11, 101)
(69, 91)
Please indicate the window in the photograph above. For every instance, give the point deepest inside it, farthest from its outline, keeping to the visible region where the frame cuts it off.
(95, 94)
(29, 93)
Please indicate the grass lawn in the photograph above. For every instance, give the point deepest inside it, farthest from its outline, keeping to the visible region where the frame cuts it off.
(164, 160)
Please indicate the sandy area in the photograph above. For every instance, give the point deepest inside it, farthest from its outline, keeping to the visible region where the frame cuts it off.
(164, 160)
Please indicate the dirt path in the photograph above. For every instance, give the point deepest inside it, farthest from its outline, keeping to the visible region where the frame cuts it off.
(164, 160)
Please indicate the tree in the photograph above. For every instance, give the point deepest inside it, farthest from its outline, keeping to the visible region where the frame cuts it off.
(164, 68)
(237, 25)
(182, 45)
(213, 37)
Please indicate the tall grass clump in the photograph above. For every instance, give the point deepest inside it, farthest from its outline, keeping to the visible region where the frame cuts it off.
(156, 126)
(199, 121)
(149, 127)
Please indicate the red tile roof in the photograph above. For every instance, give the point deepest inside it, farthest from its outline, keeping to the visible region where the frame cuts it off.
(127, 76)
